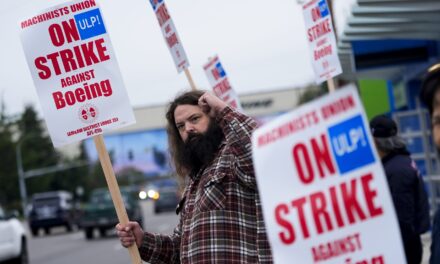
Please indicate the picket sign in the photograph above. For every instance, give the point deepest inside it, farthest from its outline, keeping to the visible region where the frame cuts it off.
(172, 39)
(322, 40)
(324, 193)
(220, 84)
(78, 82)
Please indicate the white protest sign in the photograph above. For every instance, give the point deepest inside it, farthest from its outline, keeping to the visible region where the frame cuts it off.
(322, 41)
(170, 34)
(75, 72)
(220, 83)
(324, 193)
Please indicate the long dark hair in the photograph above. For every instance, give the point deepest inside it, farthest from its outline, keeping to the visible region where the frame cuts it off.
(175, 142)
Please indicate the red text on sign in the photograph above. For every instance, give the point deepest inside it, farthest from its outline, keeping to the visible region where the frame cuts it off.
(66, 32)
(81, 94)
(319, 30)
(168, 29)
(162, 14)
(215, 74)
(172, 40)
(344, 204)
(45, 17)
(321, 156)
(322, 52)
(77, 78)
(222, 87)
(339, 106)
(68, 60)
(336, 248)
(316, 13)
(82, 5)
(297, 124)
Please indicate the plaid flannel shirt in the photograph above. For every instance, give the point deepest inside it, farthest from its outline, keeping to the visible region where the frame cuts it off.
(221, 220)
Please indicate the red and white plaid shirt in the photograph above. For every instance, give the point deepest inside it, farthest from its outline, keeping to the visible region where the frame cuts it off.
(221, 219)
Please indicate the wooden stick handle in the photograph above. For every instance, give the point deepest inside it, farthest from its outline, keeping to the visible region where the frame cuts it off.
(331, 85)
(115, 192)
(190, 80)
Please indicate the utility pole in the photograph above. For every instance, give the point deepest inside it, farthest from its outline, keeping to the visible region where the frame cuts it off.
(23, 175)
(21, 182)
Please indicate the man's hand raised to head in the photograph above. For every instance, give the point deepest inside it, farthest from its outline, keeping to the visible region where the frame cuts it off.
(211, 104)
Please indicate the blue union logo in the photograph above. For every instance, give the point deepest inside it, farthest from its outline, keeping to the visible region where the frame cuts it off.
(220, 70)
(350, 145)
(155, 3)
(90, 24)
(323, 8)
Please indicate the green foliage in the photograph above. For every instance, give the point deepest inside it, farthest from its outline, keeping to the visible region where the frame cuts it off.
(37, 150)
(9, 192)
(96, 178)
(82, 174)
(130, 176)
(27, 134)
(312, 92)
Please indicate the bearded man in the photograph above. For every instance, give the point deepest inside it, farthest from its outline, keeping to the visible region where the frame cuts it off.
(221, 219)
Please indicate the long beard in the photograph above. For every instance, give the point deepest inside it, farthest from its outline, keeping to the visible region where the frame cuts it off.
(201, 149)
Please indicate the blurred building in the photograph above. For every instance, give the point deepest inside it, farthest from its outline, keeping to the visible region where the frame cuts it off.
(386, 47)
(143, 147)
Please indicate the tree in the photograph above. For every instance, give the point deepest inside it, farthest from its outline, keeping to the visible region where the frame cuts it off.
(36, 149)
(9, 192)
(96, 177)
(88, 177)
(130, 175)
(312, 92)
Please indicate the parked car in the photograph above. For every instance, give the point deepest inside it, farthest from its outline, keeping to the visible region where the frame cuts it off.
(51, 209)
(164, 192)
(100, 214)
(167, 199)
(150, 190)
(13, 241)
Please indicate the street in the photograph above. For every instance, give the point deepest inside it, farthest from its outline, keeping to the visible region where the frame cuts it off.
(61, 247)
(72, 248)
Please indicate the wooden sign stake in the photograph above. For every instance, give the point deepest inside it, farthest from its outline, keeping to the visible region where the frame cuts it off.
(331, 85)
(190, 80)
(115, 192)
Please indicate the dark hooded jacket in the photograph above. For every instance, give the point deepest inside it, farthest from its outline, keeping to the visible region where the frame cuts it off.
(409, 199)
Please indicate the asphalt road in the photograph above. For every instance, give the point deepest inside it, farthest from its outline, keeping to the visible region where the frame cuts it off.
(61, 247)
(72, 248)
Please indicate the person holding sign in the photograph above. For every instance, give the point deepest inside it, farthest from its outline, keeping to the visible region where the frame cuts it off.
(220, 214)
(406, 186)
(430, 96)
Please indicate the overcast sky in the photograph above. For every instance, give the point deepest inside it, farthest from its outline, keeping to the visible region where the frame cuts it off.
(261, 44)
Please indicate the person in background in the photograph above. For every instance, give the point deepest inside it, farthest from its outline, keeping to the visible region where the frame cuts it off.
(406, 186)
(220, 214)
(430, 96)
